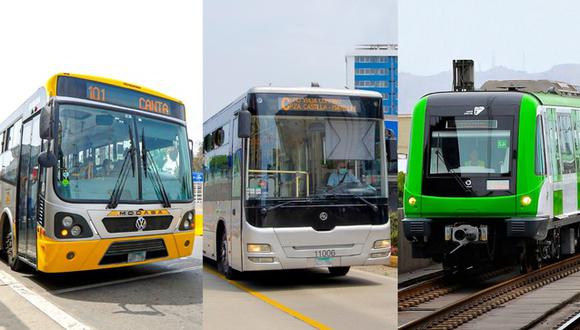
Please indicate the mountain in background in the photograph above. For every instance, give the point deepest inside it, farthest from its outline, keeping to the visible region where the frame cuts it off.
(412, 87)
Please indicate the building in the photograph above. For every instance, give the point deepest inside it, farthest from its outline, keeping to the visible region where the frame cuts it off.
(374, 67)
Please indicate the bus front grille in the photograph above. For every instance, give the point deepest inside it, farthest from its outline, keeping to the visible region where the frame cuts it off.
(119, 252)
(128, 224)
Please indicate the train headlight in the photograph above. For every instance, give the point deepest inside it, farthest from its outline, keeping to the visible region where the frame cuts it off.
(67, 221)
(412, 201)
(382, 244)
(76, 230)
(259, 248)
(526, 200)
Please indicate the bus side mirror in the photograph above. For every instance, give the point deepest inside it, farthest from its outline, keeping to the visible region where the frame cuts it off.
(244, 123)
(47, 159)
(46, 124)
(392, 150)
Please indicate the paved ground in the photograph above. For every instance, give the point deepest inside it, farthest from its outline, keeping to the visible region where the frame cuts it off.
(166, 295)
(300, 300)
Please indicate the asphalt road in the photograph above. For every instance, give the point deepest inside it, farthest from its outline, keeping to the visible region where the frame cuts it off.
(299, 300)
(166, 295)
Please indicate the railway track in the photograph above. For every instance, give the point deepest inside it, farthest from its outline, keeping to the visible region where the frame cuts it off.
(479, 303)
(571, 324)
(441, 284)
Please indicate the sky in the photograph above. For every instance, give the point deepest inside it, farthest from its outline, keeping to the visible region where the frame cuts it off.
(293, 43)
(155, 44)
(529, 35)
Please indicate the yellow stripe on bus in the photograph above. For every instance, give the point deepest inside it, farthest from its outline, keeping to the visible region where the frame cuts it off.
(308, 320)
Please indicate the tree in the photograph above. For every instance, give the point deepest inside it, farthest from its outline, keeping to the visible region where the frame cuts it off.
(197, 164)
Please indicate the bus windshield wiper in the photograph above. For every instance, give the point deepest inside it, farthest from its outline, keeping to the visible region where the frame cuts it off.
(373, 206)
(123, 174)
(453, 173)
(154, 176)
(273, 207)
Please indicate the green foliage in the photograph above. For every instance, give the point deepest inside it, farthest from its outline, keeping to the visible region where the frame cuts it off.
(400, 186)
(197, 164)
(394, 220)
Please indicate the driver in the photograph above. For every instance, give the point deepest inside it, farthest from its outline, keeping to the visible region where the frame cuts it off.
(474, 160)
(342, 175)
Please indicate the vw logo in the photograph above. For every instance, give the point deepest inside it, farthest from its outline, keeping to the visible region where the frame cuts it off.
(323, 216)
(468, 183)
(140, 223)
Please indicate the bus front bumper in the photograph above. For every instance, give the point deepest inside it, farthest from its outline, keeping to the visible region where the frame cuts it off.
(64, 256)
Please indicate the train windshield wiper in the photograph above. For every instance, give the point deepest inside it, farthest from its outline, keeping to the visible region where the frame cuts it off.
(373, 206)
(123, 174)
(453, 173)
(154, 176)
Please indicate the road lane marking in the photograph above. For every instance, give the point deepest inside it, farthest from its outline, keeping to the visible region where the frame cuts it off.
(308, 320)
(125, 280)
(58, 315)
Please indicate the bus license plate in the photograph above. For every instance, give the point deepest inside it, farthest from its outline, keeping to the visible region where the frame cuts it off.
(323, 262)
(324, 258)
(136, 256)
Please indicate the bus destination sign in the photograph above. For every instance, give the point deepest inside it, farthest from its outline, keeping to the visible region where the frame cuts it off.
(100, 92)
(319, 103)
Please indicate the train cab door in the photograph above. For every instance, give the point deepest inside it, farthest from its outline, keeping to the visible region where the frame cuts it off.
(236, 200)
(28, 182)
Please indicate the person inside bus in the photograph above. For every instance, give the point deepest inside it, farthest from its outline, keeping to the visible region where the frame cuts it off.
(87, 170)
(170, 165)
(341, 175)
(107, 167)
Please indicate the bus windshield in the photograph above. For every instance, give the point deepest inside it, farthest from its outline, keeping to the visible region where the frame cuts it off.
(94, 143)
(303, 156)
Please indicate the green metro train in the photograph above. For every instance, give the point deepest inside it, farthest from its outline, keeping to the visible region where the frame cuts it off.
(494, 175)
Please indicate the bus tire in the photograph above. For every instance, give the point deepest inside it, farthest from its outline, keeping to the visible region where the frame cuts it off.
(223, 263)
(13, 261)
(338, 271)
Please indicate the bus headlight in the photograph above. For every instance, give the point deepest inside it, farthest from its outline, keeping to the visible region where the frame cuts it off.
(382, 244)
(70, 225)
(76, 230)
(67, 221)
(526, 200)
(259, 248)
(412, 201)
(187, 222)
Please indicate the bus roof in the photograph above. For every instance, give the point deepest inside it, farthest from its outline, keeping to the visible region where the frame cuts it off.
(314, 91)
(52, 81)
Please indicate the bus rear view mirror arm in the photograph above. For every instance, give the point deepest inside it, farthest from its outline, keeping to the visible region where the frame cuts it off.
(244, 122)
(47, 159)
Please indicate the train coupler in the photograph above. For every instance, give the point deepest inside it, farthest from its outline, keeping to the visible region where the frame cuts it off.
(465, 234)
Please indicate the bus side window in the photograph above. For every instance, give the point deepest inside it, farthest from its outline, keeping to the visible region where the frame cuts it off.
(7, 138)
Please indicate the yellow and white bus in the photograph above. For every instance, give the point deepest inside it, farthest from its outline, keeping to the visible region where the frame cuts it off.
(95, 173)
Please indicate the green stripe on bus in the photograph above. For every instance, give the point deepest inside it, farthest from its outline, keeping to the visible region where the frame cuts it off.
(558, 202)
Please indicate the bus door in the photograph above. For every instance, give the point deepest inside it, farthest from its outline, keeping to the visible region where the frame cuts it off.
(28, 188)
(236, 204)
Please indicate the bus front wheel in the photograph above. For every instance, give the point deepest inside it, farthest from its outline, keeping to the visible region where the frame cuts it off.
(223, 265)
(13, 261)
(338, 271)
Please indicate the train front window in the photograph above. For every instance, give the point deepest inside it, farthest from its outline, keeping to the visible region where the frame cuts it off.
(304, 156)
(474, 146)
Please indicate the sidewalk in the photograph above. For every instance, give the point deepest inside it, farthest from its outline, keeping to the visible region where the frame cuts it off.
(17, 313)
